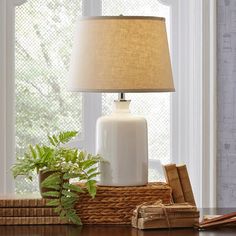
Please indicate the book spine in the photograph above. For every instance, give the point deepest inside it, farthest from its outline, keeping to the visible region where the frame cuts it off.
(217, 223)
(31, 221)
(220, 218)
(23, 202)
(173, 180)
(158, 224)
(170, 216)
(31, 212)
(186, 184)
(169, 209)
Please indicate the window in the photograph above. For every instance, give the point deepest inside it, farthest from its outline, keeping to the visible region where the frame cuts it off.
(43, 105)
(191, 124)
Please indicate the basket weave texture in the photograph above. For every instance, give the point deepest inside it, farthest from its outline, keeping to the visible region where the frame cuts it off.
(115, 205)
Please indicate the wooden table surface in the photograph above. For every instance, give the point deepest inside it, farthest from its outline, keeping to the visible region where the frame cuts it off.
(112, 230)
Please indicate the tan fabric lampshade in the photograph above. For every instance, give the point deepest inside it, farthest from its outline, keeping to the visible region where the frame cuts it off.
(121, 54)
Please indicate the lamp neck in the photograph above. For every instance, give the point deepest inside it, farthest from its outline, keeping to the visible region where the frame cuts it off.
(121, 106)
(121, 97)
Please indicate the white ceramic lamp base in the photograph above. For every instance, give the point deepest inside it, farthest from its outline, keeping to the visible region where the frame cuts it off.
(122, 141)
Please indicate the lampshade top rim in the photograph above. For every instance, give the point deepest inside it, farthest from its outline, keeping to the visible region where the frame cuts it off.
(122, 90)
(121, 18)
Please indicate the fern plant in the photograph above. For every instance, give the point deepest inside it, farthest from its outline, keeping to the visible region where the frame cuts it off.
(65, 164)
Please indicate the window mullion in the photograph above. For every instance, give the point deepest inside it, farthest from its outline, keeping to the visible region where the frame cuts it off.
(7, 85)
(3, 95)
(92, 8)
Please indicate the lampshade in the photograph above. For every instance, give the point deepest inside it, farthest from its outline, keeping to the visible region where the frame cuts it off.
(121, 54)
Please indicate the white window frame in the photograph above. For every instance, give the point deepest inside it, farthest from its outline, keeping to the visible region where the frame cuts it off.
(7, 96)
(193, 107)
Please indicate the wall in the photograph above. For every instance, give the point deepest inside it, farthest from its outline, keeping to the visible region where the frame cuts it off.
(226, 36)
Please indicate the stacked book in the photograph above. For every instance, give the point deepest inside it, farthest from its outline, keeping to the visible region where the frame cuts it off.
(16, 210)
(178, 179)
(158, 215)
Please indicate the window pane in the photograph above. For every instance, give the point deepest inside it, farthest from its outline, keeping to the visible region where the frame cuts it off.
(44, 35)
(155, 107)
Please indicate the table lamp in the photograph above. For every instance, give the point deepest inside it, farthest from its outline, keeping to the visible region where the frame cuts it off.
(121, 54)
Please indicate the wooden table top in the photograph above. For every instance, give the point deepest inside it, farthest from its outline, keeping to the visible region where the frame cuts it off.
(60, 230)
(112, 230)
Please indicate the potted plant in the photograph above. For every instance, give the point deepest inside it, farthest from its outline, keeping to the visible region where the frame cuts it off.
(56, 165)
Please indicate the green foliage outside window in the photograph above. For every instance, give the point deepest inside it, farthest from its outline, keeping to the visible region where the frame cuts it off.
(43, 44)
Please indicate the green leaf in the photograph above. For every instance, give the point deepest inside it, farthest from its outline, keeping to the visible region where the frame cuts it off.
(87, 164)
(62, 214)
(73, 217)
(33, 153)
(55, 140)
(51, 194)
(68, 202)
(55, 186)
(51, 184)
(52, 179)
(65, 137)
(81, 156)
(54, 202)
(90, 171)
(93, 182)
(58, 209)
(91, 186)
(39, 150)
(26, 156)
(83, 177)
(51, 141)
(94, 175)
(73, 187)
(70, 176)
(75, 155)
(69, 194)
(47, 155)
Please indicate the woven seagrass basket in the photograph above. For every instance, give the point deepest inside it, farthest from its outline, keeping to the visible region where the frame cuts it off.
(115, 205)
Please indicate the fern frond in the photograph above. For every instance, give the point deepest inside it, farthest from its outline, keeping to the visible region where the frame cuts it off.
(51, 141)
(52, 179)
(73, 187)
(64, 163)
(65, 137)
(39, 150)
(33, 152)
(91, 186)
(51, 194)
(54, 202)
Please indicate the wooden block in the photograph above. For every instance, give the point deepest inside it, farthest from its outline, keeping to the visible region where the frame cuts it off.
(186, 184)
(173, 180)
